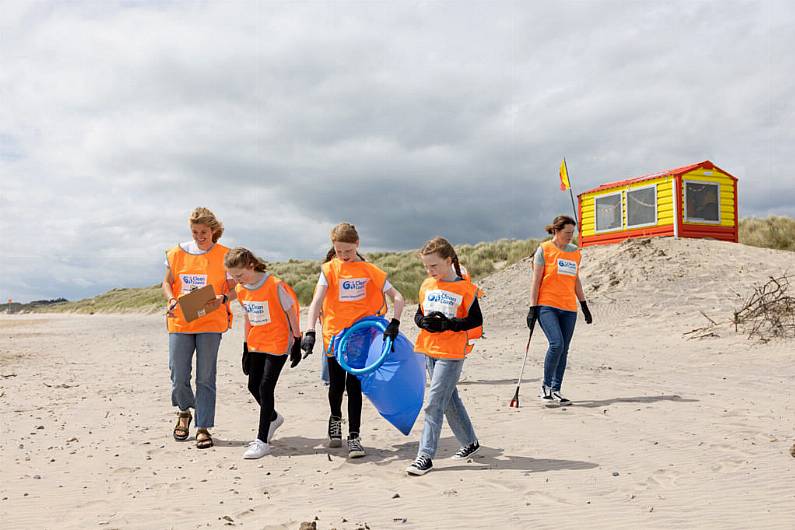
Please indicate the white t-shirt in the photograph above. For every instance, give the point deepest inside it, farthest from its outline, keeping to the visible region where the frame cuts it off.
(323, 282)
(192, 248)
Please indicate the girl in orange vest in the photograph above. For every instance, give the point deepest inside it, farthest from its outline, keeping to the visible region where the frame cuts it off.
(554, 293)
(192, 265)
(348, 289)
(448, 316)
(272, 331)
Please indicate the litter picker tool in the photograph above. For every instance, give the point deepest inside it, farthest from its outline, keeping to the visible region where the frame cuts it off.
(515, 401)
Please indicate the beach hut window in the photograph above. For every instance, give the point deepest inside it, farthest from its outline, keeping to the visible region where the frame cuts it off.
(642, 206)
(702, 202)
(608, 212)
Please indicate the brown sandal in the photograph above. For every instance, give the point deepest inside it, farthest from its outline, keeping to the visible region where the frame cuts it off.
(181, 431)
(203, 439)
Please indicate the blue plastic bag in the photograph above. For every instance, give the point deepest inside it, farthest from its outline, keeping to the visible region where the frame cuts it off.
(393, 381)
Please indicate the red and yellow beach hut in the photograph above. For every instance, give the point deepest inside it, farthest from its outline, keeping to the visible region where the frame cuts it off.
(699, 200)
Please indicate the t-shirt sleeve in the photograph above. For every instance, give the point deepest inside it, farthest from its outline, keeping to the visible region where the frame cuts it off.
(538, 259)
(321, 280)
(387, 285)
(284, 298)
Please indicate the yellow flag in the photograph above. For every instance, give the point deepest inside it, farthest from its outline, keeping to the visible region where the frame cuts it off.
(564, 177)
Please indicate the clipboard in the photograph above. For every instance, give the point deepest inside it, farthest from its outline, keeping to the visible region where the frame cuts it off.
(192, 304)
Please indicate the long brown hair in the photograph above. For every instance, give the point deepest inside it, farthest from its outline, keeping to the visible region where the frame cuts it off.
(243, 258)
(442, 247)
(343, 233)
(558, 223)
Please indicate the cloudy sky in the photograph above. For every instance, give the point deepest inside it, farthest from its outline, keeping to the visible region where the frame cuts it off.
(409, 119)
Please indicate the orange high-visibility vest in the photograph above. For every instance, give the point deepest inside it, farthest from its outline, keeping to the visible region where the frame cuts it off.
(355, 290)
(192, 271)
(453, 299)
(270, 328)
(560, 277)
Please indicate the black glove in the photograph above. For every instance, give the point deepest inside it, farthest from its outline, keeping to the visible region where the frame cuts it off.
(308, 343)
(392, 330)
(532, 316)
(435, 322)
(244, 360)
(295, 352)
(586, 312)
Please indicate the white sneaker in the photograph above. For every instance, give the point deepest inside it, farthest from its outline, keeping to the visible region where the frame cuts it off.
(275, 424)
(559, 399)
(257, 449)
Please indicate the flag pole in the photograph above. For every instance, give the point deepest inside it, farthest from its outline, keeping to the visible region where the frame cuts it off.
(571, 193)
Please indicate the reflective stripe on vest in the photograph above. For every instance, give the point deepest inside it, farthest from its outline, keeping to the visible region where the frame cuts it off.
(192, 271)
(355, 290)
(270, 328)
(560, 278)
(453, 299)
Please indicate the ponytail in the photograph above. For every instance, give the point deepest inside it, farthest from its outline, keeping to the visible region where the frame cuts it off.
(457, 265)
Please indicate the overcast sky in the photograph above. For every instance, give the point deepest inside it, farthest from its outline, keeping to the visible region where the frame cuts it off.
(409, 119)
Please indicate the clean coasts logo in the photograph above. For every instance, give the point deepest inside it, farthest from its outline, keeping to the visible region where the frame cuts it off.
(442, 301)
(191, 282)
(353, 289)
(567, 267)
(258, 313)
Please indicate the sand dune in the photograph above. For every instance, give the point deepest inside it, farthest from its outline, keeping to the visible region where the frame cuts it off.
(666, 431)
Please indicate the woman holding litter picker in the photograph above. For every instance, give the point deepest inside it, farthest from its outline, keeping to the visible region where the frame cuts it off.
(554, 293)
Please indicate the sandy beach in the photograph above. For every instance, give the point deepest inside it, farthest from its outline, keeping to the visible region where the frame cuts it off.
(666, 431)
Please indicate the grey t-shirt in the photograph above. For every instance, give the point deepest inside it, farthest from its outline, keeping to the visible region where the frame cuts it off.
(538, 259)
(285, 299)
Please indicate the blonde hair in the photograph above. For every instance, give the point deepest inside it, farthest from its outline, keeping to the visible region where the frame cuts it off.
(203, 216)
(442, 247)
(243, 258)
(343, 233)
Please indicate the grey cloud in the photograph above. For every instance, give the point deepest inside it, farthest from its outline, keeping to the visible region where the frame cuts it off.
(409, 120)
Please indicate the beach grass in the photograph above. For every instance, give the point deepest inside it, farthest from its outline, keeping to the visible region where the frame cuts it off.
(404, 269)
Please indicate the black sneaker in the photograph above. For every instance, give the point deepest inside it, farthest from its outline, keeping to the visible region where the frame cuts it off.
(466, 452)
(355, 449)
(334, 431)
(559, 399)
(421, 465)
(546, 394)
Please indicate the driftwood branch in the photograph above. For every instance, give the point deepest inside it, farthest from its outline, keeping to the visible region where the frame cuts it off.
(768, 312)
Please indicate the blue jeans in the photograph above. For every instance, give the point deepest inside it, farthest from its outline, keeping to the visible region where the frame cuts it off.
(443, 400)
(180, 360)
(558, 326)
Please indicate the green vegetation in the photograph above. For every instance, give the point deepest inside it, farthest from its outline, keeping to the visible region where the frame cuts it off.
(404, 269)
(773, 232)
(114, 301)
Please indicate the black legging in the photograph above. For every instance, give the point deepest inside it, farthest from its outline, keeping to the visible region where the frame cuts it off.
(339, 382)
(263, 374)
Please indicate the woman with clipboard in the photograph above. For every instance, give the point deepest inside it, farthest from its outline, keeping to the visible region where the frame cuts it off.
(190, 266)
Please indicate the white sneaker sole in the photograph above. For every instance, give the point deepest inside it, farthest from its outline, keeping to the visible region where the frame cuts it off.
(254, 456)
(417, 472)
(456, 457)
(356, 454)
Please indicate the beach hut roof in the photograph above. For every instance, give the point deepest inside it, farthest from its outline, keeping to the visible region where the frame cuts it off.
(706, 164)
